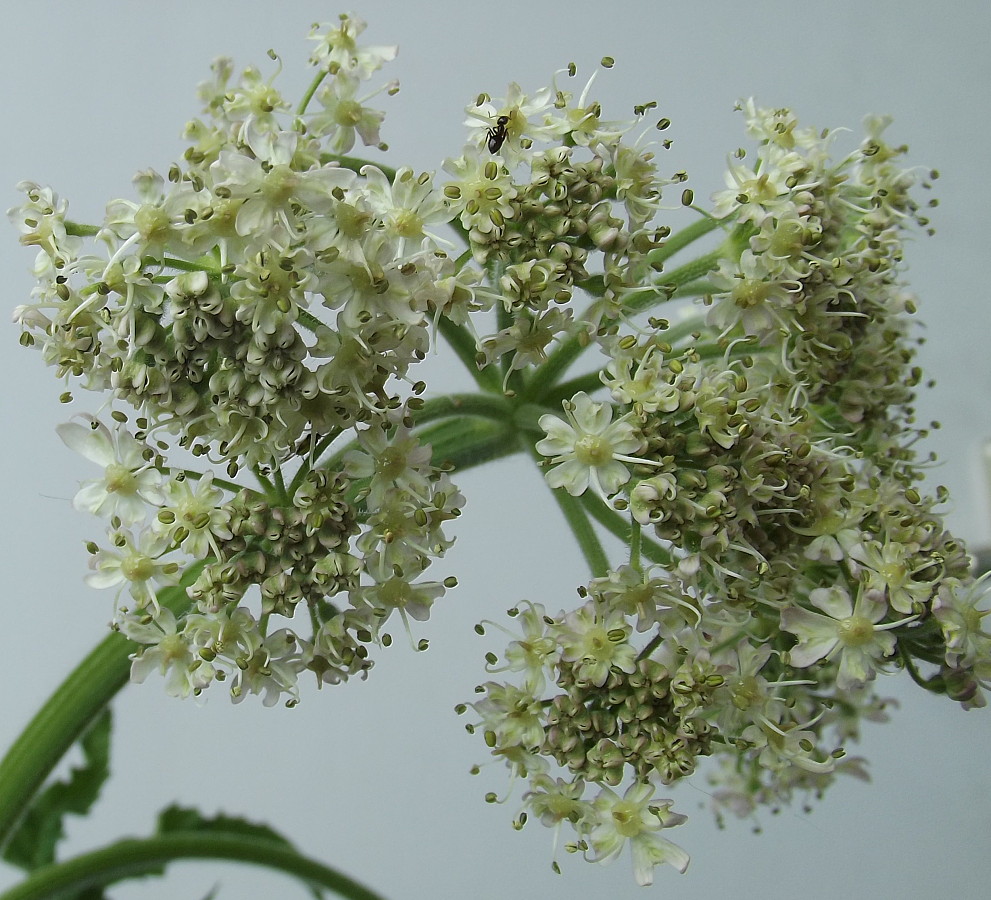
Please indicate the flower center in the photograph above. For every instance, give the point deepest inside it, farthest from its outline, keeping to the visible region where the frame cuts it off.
(593, 450)
(408, 224)
(627, 819)
(119, 480)
(348, 113)
(137, 567)
(856, 631)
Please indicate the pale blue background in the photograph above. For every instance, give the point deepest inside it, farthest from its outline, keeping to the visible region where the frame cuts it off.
(374, 777)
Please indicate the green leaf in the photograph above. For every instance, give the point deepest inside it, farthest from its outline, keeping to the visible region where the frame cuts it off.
(33, 843)
(186, 819)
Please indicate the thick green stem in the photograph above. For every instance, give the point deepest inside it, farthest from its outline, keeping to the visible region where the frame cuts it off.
(70, 710)
(58, 725)
(468, 443)
(137, 857)
(468, 424)
(486, 406)
(78, 229)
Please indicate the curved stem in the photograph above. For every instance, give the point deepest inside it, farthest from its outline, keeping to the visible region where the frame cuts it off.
(468, 443)
(487, 406)
(137, 857)
(70, 710)
(310, 91)
(57, 725)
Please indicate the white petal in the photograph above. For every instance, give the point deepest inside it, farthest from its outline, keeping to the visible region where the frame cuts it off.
(95, 444)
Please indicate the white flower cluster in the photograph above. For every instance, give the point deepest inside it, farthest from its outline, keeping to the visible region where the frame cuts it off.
(260, 308)
(263, 307)
(781, 554)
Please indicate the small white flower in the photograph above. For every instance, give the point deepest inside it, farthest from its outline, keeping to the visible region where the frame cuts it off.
(596, 642)
(847, 630)
(129, 484)
(962, 621)
(136, 563)
(635, 818)
(513, 715)
(533, 118)
(482, 191)
(344, 114)
(591, 450)
(168, 651)
(197, 507)
(407, 206)
(338, 48)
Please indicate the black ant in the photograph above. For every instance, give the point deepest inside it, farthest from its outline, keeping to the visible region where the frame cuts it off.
(497, 136)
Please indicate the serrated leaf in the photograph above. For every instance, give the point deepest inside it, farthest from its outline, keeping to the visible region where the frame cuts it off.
(183, 818)
(33, 844)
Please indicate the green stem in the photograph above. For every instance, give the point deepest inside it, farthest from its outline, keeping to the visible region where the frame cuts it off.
(57, 725)
(581, 527)
(70, 710)
(280, 485)
(468, 423)
(463, 344)
(670, 283)
(320, 446)
(136, 857)
(232, 486)
(565, 390)
(698, 288)
(636, 543)
(557, 364)
(614, 523)
(311, 323)
(681, 239)
(184, 265)
(468, 443)
(486, 406)
(310, 91)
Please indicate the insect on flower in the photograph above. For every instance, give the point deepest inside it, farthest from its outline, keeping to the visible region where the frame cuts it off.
(497, 135)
